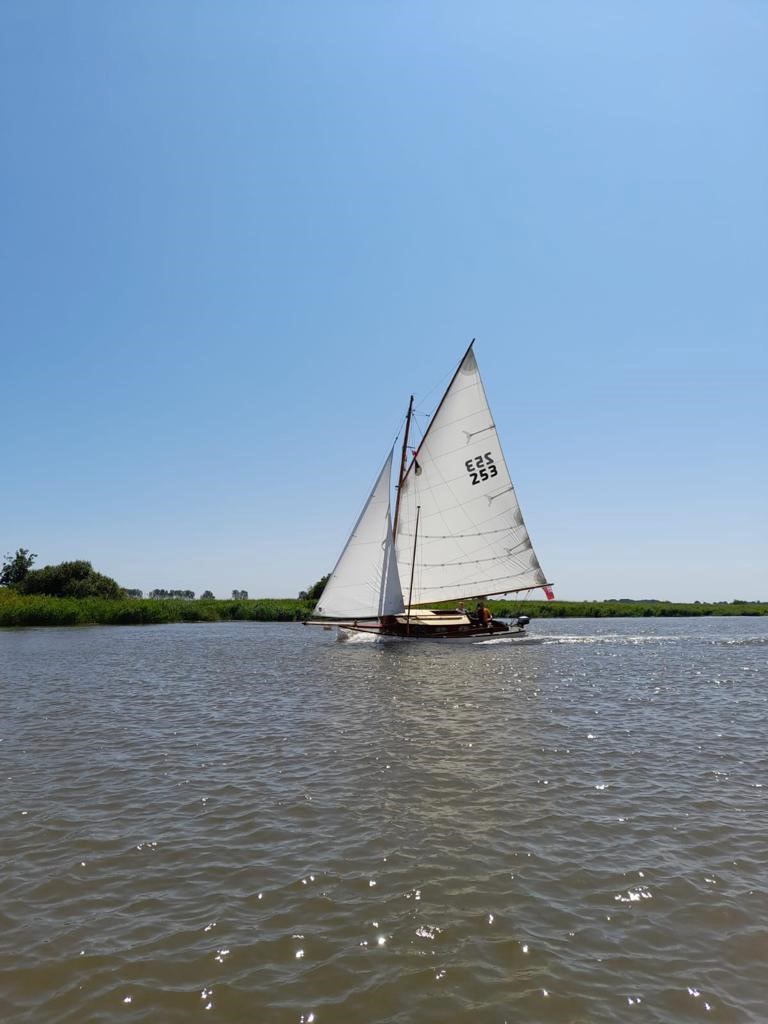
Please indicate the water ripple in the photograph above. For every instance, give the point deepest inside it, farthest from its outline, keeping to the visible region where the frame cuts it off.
(253, 822)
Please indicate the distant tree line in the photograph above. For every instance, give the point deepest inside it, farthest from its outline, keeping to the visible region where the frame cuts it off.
(157, 595)
(79, 579)
(184, 595)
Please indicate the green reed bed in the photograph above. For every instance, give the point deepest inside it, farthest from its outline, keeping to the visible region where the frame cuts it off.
(622, 609)
(34, 610)
(20, 610)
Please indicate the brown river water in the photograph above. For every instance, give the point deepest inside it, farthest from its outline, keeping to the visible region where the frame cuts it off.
(248, 822)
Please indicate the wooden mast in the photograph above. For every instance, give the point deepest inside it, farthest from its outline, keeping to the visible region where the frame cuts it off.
(413, 570)
(403, 457)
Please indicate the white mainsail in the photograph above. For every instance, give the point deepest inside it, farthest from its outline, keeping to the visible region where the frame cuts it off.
(365, 581)
(471, 537)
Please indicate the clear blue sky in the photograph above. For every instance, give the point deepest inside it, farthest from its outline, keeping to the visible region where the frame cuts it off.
(236, 236)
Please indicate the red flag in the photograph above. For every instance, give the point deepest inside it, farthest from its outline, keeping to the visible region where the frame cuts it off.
(549, 592)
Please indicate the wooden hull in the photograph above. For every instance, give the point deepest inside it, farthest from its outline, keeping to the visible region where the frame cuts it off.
(428, 624)
(419, 631)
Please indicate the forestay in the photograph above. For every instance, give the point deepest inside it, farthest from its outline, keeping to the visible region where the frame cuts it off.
(365, 581)
(471, 538)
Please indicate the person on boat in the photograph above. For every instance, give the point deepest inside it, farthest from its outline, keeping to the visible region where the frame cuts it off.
(483, 615)
(460, 608)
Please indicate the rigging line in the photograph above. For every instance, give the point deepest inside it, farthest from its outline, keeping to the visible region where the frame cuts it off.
(487, 545)
(441, 385)
(474, 561)
(492, 579)
(356, 520)
(510, 555)
(460, 504)
(437, 410)
(395, 439)
(448, 483)
(457, 502)
(481, 524)
(419, 427)
(401, 425)
(450, 536)
(513, 557)
(353, 528)
(483, 549)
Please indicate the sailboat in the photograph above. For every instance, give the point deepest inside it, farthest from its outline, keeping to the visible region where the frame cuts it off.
(457, 535)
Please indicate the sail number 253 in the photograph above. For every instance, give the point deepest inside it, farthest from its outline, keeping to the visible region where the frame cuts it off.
(482, 467)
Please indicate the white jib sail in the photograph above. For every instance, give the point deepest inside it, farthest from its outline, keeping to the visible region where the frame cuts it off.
(365, 582)
(471, 539)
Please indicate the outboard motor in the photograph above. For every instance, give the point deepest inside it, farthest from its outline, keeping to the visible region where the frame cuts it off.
(522, 620)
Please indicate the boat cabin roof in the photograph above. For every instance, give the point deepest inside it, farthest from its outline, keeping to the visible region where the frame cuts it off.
(428, 617)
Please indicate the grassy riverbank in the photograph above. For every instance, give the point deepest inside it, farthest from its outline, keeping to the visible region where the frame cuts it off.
(19, 610)
(623, 609)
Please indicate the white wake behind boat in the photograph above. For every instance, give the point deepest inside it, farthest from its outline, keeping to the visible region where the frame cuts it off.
(458, 532)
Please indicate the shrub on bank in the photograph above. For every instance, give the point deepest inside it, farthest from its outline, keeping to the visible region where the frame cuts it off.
(69, 579)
